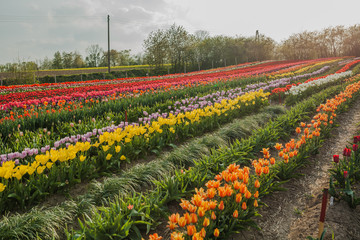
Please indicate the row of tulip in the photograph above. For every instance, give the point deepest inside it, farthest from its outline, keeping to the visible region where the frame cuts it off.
(113, 111)
(281, 91)
(47, 86)
(177, 107)
(311, 66)
(44, 86)
(20, 100)
(297, 90)
(50, 171)
(209, 204)
(58, 117)
(52, 105)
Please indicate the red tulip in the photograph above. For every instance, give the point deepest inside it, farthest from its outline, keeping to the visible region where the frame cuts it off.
(336, 158)
(347, 152)
(345, 174)
(355, 147)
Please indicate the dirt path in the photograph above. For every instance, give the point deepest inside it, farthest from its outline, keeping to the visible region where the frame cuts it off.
(294, 214)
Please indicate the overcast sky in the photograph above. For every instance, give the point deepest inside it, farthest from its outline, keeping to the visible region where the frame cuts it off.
(34, 29)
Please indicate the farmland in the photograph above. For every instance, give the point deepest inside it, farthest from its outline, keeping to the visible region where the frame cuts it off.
(181, 156)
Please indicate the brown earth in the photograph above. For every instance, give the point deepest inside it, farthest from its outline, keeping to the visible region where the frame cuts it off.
(294, 214)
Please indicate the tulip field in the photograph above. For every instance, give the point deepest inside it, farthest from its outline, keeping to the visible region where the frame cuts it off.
(181, 156)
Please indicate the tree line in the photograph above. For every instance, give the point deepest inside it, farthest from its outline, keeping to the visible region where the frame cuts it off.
(329, 42)
(187, 52)
(96, 57)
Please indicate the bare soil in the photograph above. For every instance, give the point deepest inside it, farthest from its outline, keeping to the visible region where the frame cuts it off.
(295, 213)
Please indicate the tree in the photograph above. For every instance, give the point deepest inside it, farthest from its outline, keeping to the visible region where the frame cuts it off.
(94, 55)
(78, 61)
(67, 59)
(156, 48)
(178, 42)
(57, 61)
(46, 63)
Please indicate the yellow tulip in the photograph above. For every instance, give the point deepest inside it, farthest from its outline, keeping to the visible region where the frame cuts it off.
(117, 148)
(2, 187)
(122, 158)
(108, 157)
(105, 148)
(49, 165)
(40, 169)
(82, 158)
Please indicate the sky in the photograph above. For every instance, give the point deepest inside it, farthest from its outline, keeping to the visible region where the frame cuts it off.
(33, 30)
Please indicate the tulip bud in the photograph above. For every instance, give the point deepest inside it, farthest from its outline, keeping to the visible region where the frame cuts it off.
(236, 214)
(346, 174)
(336, 158)
(355, 147)
(216, 232)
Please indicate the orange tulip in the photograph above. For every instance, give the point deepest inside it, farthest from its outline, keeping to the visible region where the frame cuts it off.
(182, 222)
(256, 195)
(228, 191)
(221, 206)
(192, 208)
(201, 211)
(243, 206)
(191, 229)
(187, 218)
(154, 236)
(247, 194)
(171, 225)
(213, 216)
(177, 236)
(212, 205)
(258, 170)
(238, 198)
(278, 146)
(197, 200)
(194, 218)
(211, 193)
(216, 232)
(184, 204)
(257, 183)
(222, 192)
(174, 218)
(236, 214)
(243, 188)
(256, 203)
(203, 233)
(236, 185)
(206, 222)
(246, 178)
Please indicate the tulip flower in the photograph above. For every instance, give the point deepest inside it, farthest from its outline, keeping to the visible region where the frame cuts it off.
(336, 158)
(216, 232)
(355, 147)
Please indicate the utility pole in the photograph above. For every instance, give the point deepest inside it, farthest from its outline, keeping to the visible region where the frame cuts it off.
(257, 38)
(108, 21)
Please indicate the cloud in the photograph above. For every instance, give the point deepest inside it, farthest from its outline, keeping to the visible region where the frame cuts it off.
(37, 29)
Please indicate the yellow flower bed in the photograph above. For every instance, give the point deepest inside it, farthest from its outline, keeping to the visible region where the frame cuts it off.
(110, 143)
